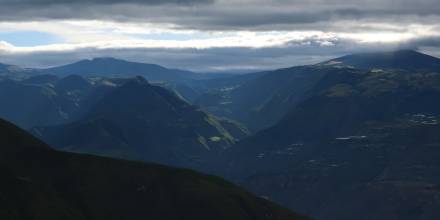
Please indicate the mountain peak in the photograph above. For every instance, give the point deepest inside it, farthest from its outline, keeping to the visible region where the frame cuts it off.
(108, 66)
(73, 82)
(135, 82)
(101, 60)
(135, 92)
(108, 60)
(140, 80)
(105, 59)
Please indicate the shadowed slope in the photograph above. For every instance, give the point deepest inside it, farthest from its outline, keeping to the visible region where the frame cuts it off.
(143, 122)
(42, 184)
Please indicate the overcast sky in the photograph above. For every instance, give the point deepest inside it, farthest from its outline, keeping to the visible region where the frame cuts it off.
(212, 35)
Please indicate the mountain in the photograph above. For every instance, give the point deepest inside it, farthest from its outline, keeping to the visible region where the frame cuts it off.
(209, 83)
(402, 59)
(351, 138)
(260, 100)
(40, 183)
(108, 67)
(30, 105)
(264, 99)
(140, 121)
(15, 72)
(43, 79)
(364, 141)
(45, 100)
(73, 83)
(5, 68)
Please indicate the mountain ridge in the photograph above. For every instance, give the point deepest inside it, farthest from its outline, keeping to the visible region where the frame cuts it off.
(358, 137)
(410, 60)
(108, 66)
(145, 122)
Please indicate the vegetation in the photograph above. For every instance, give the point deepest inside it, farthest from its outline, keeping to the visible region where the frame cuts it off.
(143, 122)
(354, 137)
(364, 141)
(40, 183)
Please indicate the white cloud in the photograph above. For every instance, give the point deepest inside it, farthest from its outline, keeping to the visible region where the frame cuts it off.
(197, 44)
(79, 34)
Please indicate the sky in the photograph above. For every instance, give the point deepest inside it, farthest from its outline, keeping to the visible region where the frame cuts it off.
(212, 35)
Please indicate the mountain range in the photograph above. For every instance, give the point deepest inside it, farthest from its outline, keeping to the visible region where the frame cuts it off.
(262, 99)
(355, 137)
(144, 122)
(363, 140)
(104, 66)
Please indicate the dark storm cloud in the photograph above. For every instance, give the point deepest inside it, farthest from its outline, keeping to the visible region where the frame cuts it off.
(28, 10)
(45, 3)
(334, 16)
(226, 14)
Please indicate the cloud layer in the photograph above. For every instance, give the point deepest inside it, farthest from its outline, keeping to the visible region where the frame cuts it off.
(210, 35)
(226, 14)
(223, 54)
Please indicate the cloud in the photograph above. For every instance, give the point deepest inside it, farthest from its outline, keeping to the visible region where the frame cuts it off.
(227, 14)
(45, 3)
(238, 53)
(210, 35)
(424, 42)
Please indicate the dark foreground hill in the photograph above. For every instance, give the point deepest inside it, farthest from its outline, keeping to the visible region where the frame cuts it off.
(42, 184)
